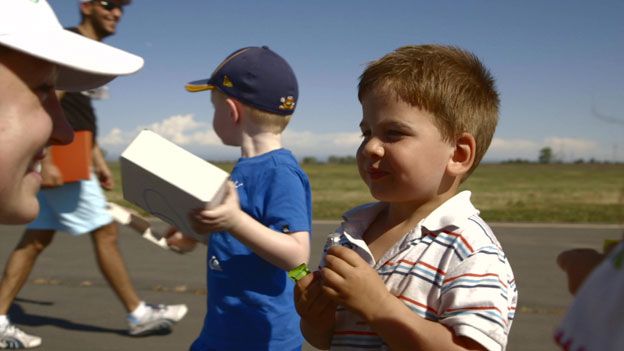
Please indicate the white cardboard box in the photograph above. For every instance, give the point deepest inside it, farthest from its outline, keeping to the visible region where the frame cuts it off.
(168, 181)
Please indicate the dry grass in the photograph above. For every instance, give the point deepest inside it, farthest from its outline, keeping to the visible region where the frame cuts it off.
(592, 193)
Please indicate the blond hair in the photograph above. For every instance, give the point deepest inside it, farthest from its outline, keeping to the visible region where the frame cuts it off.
(269, 122)
(450, 83)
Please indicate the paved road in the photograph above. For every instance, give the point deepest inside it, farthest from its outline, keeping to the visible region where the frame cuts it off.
(68, 303)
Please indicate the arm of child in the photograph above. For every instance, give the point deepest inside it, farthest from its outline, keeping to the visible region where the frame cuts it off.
(178, 241)
(316, 309)
(579, 263)
(352, 283)
(284, 251)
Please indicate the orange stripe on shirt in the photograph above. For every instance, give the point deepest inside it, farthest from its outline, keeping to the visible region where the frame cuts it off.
(475, 308)
(462, 239)
(428, 308)
(448, 280)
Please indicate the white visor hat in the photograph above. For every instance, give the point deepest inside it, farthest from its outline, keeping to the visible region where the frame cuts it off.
(30, 26)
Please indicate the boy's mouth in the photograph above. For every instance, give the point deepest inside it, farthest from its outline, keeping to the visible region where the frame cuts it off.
(376, 173)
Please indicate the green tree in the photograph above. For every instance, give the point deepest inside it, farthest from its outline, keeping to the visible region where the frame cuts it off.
(545, 155)
(310, 160)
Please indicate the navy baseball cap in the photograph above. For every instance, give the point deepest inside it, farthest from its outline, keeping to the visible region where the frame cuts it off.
(256, 76)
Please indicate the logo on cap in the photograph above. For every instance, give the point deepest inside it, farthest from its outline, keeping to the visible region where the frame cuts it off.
(288, 103)
(227, 82)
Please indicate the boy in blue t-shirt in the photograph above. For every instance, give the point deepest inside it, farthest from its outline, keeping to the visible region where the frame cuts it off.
(262, 228)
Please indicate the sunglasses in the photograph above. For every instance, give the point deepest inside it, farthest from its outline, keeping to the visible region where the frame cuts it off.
(109, 5)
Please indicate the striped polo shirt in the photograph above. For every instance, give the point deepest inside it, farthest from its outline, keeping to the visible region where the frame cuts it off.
(450, 268)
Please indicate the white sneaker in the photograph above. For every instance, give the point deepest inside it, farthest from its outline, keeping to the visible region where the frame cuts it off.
(158, 319)
(13, 338)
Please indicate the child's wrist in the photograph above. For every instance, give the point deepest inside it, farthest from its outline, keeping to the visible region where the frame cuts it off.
(379, 309)
(298, 272)
(238, 220)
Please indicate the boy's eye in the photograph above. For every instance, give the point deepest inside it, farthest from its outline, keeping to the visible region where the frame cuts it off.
(394, 134)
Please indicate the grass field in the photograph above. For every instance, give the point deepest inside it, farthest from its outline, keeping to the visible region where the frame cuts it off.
(572, 193)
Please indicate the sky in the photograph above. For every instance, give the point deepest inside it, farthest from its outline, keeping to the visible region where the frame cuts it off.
(558, 67)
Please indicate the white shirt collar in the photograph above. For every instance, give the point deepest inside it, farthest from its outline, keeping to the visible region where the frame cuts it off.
(453, 211)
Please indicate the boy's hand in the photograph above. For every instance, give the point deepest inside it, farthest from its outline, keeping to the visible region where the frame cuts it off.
(578, 264)
(351, 282)
(312, 304)
(317, 311)
(178, 241)
(221, 218)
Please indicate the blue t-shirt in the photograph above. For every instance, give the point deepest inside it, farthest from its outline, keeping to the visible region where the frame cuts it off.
(250, 301)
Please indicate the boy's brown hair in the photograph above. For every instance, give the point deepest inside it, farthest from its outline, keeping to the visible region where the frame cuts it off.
(446, 81)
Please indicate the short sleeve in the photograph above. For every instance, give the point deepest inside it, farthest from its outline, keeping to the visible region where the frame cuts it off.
(287, 204)
(479, 297)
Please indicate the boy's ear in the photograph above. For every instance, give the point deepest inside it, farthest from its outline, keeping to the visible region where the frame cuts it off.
(463, 156)
(235, 109)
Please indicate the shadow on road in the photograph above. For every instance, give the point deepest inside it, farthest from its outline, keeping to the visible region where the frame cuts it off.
(22, 318)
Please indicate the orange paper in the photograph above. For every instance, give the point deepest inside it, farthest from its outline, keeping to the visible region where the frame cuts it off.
(74, 160)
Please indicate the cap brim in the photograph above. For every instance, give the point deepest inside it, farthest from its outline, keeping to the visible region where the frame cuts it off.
(83, 63)
(199, 85)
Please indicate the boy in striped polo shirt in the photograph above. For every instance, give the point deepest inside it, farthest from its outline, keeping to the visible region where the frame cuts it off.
(419, 269)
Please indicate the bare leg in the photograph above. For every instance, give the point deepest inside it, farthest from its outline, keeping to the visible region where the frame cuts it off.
(112, 265)
(20, 264)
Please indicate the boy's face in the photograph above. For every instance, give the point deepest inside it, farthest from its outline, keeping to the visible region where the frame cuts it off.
(403, 157)
(30, 119)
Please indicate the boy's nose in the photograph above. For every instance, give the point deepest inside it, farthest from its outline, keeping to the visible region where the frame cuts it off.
(373, 147)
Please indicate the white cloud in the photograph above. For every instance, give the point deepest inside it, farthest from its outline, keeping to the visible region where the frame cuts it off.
(113, 138)
(184, 130)
(181, 129)
(571, 144)
(509, 145)
(566, 149)
(199, 138)
(321, 145)
(570, 149)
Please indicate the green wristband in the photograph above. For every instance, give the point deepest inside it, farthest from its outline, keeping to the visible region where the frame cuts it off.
(298, 272)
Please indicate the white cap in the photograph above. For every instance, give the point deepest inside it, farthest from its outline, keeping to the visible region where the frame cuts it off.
(30, 26)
